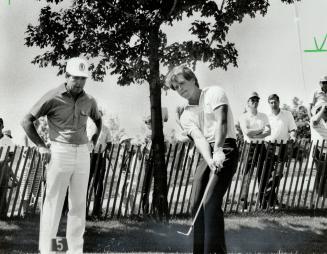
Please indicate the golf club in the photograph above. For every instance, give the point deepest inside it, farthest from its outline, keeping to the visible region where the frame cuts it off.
(200, 206)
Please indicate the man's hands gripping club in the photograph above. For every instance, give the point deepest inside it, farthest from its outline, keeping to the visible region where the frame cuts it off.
(218, 158)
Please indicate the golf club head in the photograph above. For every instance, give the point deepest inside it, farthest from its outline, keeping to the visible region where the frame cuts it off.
(187, 233)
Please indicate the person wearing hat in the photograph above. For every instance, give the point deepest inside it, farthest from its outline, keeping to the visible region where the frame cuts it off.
(67, 108)
(319, 95)
(255, 127)
(318, 128)
(208, 120)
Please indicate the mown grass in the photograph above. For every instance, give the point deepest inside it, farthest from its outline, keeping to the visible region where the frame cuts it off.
(267, 233)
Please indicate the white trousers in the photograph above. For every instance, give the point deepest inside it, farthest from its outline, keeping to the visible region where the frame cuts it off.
(69, 167)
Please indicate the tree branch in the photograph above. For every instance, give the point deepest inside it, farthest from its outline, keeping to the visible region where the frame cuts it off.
(172, 8)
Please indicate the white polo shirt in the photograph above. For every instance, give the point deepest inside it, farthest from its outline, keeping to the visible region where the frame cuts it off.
(281, 125)
(250, 121)
(202, 116)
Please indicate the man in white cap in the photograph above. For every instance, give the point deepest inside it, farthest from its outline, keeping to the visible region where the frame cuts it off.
(255, 127)
(318, 127)
(67, 108)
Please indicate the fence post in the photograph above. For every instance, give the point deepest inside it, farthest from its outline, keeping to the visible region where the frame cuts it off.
(304, 175)
(188, 179)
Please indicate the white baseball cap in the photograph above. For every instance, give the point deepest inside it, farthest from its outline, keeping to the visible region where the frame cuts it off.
(77, 67)
(253, 94)
(323, 79)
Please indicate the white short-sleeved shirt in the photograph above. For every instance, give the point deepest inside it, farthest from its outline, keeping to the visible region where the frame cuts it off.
(281, 125)
(6, 142)
(318, 132)
(202, 116)
(250, 121)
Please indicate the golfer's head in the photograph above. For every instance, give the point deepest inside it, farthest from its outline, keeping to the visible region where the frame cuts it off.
(76, 74)
(183, 80)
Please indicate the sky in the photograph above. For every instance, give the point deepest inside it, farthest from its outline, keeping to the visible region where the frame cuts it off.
(271, 60)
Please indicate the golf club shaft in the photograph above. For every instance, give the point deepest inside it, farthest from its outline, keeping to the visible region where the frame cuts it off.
(213, 175)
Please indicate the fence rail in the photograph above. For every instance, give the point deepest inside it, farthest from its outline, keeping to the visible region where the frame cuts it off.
(269, 176)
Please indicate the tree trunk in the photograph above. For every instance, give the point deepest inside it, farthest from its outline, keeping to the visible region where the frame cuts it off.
(160, 204)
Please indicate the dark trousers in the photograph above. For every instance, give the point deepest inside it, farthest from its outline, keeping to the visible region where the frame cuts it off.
(256, 154)
(209, 230)
(270, 174)
(4, 178)
(97, 172)
(321, 175)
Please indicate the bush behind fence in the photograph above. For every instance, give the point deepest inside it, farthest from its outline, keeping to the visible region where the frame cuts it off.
(269, 176)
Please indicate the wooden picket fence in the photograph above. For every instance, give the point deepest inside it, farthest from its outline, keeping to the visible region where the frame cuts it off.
(128, 180)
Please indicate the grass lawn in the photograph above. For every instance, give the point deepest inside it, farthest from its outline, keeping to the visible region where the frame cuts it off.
(277, 233)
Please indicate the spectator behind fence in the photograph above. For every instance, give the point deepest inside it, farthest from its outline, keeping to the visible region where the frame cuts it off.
(318, 124)
(319, 95)
(98, 167)
(67, 108)
(29, 198)
(255, 127)
(283, 128)
(208, 119)
(6, 173)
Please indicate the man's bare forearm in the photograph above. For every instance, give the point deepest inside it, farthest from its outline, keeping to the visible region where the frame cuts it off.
(98, 124)
(221, 129)
(28, 126)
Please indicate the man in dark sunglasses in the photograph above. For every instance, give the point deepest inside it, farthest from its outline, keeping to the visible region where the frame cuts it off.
(319, 95)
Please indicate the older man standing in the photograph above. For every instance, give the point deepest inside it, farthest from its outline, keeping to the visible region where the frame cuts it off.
(255, 127)
(67, 108)
(283, 129)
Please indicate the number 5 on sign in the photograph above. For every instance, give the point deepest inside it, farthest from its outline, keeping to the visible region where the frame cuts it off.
(59, 244)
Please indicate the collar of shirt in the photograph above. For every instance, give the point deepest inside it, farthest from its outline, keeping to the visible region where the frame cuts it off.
(63, 90)
(200, 100)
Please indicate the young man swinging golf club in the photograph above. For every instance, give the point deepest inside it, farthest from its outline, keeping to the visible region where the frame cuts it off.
(208, 119)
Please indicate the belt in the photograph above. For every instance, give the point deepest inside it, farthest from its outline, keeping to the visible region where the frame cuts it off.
(66, 144)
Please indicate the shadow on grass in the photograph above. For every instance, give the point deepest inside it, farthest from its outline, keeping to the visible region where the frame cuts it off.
(243, 235)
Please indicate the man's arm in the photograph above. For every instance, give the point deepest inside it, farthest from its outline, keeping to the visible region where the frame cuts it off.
(98, 124)
(265, 133)
(203, 146)
(221, 128)
(28, 126)
(292, 127)
(317, 117)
